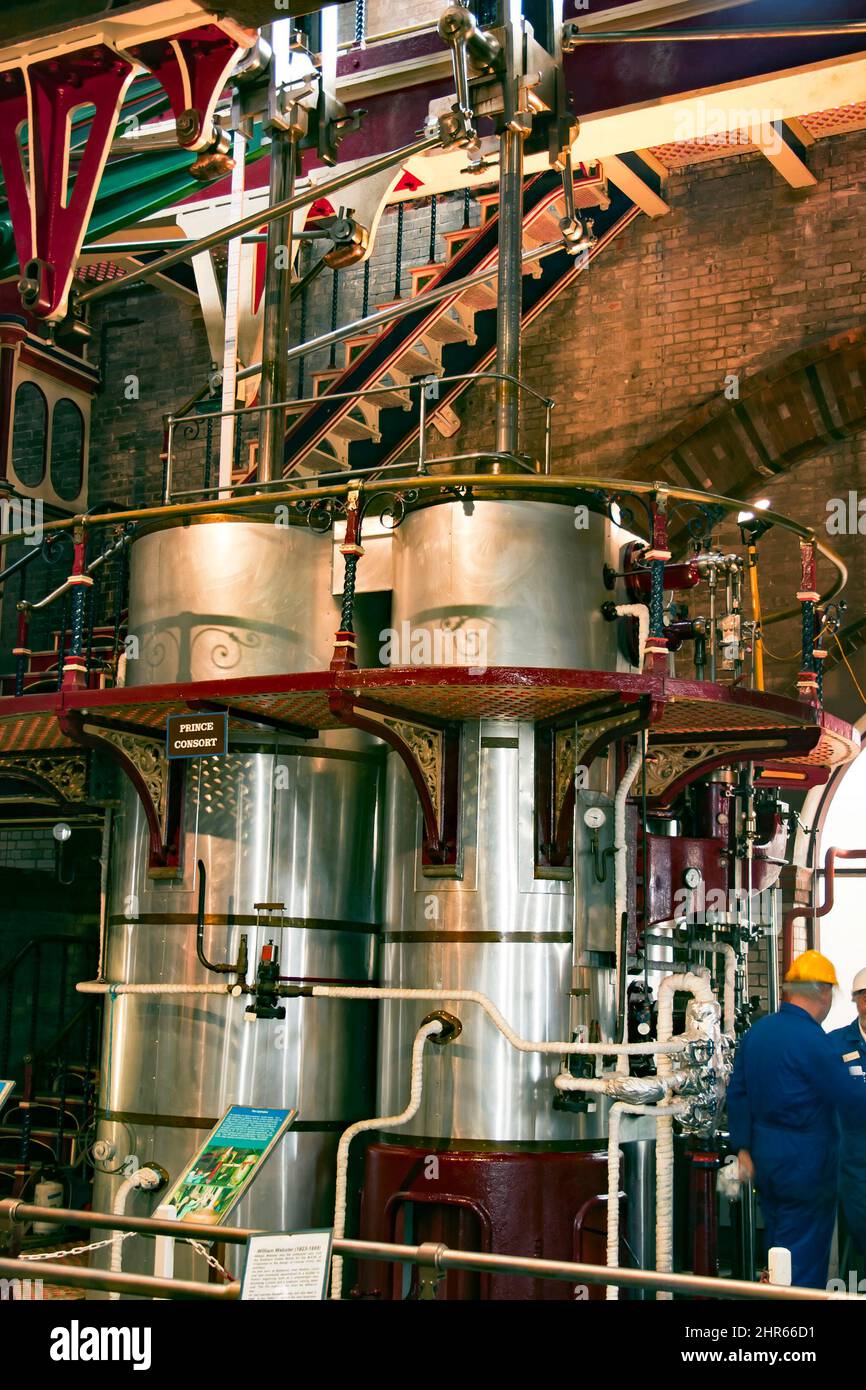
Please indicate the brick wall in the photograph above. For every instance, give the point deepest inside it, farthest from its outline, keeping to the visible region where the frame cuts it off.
(154, 355)
(740, 274)
(28, 848)
(383, 270)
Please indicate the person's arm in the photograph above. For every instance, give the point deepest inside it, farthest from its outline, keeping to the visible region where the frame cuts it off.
(847, 1093)
(739, 1109)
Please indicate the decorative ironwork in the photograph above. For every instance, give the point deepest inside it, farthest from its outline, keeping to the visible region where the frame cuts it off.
(395, 506)
(146, 757)
(67, 774)
(674, 764)
(426, 747)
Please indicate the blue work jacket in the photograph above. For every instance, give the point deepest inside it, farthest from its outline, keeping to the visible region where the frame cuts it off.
(849, 1045)
(788, 1092)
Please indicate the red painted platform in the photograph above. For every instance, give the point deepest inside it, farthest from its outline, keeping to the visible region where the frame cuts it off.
(682, 710)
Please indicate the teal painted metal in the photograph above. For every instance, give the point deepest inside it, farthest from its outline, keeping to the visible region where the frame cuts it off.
(131, 188)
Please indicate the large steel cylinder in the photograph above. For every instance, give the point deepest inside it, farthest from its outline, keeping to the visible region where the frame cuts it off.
(528, 582)
(280, 819)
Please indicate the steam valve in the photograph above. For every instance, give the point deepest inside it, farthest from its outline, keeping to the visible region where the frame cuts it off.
(267, 986)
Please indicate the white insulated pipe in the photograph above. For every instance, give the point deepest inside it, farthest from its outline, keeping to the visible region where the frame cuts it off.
(143, 1179)
(723, 948)
(641, 612)
(672, 1047)
(622, 1107)
(610, 1084)
(459, 996)
(105, 987)
(620, 866)
(701, 990)
(427, 1030)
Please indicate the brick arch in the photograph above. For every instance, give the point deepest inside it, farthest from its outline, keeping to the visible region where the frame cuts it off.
(785, 414)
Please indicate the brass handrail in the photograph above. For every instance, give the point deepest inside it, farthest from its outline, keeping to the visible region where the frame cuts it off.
(555, 484)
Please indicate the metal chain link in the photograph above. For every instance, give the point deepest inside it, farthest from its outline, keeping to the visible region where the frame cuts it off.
(76, 1250)
(211, 1259)
(126, 1235)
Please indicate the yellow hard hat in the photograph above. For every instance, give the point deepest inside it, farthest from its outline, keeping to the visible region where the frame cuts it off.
(812, 966)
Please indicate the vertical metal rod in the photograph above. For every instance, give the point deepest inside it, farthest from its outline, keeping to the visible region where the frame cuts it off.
(302, 333)
(431, 252)
(277, 310)
(547, 435)
(398, 269)
(167, 467)
(231, 317)
(61, 656)
(510, 287)
(422, 430)
(335, 314)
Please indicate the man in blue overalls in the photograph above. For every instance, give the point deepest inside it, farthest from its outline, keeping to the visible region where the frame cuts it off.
(787, 1092)
(849, 1044)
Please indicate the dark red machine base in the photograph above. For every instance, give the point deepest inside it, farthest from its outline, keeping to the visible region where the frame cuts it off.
(547, 1204)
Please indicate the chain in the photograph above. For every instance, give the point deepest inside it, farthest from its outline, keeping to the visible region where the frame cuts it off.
(126, 1235)
(211, 1259)
(77, 1250)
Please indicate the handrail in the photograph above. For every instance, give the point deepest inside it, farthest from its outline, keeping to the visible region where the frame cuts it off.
(436, 1255)
(554, 485)
(27, 558)
(421, 384)
(254, 220)
(414, 304)
(68, 584)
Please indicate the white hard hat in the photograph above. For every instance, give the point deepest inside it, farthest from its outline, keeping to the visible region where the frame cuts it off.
(859, 981)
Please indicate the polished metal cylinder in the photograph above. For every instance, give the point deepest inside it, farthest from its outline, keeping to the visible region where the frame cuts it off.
(277, 309)
(490, 584)
(280, 819)
(509, 308)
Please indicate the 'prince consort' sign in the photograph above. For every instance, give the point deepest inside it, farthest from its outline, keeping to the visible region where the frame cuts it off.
(197, 735)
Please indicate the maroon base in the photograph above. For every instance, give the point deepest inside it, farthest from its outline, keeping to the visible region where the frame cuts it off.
(550, 1205)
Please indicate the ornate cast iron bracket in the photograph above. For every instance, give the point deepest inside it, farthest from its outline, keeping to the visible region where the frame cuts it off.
(430, 750)
(564, 743)
(158, 782)
(62, 775)
(671, 766)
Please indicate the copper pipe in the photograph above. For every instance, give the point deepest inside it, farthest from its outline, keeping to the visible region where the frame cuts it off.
(139, 1285)
(804, 910)
(779, 31)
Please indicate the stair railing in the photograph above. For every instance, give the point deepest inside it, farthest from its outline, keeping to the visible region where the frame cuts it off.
(423, 387)
(79, 604)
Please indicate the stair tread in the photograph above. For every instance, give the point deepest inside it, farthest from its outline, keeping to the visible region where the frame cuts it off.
(349, 427)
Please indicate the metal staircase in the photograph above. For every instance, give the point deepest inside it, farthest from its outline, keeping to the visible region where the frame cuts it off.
(344, 430)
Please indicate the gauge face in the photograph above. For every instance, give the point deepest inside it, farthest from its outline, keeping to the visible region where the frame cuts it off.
(692, 877)
(594, 818)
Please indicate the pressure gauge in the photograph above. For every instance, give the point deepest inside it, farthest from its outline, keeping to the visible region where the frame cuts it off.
(692, 877)
(594, 818)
